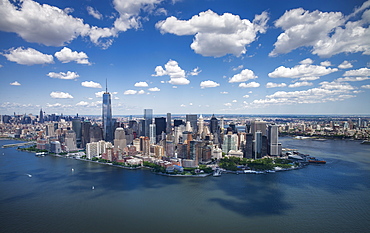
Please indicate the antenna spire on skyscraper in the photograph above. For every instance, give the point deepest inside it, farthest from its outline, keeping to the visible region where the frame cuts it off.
(106, 85)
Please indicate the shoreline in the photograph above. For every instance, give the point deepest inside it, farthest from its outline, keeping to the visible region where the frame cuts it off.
(202, 175)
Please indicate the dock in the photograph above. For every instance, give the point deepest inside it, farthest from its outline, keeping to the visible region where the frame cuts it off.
(19, 144)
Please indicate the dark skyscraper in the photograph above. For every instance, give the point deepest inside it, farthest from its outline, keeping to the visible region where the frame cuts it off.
(85, 133)
(148, 117)
(77, 128)
(41, 119)
(160, 125)
(107, 117)
(214, 125)
(193, 119)
(177, 123)
(168, 125)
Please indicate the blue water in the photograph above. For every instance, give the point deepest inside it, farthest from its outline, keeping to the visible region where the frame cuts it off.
(334, 197)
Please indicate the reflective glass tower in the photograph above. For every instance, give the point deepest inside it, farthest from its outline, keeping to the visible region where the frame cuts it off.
(107, 117)
(148, 117)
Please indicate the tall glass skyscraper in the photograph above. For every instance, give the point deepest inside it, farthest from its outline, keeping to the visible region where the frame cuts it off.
(107, 117)
(148, 117)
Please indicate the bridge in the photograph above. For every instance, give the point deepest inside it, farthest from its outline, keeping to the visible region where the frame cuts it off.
(19, 144)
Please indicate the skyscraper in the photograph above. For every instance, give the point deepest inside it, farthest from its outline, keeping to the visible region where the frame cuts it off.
(85, 138)
(193, 119)
(160, 126)
(120, 138)
(214, 125)
(107, 117)
(200, 125)
(152, 133)
(77, 128)
(41, 119)
(258, 145)
(230, 143)
(148, 117)
(273, 144)
(168, 125)
(258, 125)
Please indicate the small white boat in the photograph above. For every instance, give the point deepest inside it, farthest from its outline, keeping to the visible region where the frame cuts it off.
(93, 187)
(249, 172)
(29, 175)
(217, 173)
(73, 170)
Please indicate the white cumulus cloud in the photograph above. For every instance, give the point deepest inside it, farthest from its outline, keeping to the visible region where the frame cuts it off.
(60, 95)
(94, 13)
(359, 72)
(307, 61)
(325, 63)
(15, 83)
(365, 86)
(195, 71)
(345, 65)
(272, 85)
(172, 69)
(82, 103)
(62, 75)
(303, 71)
(300, 84)
(216, 35)
(243, 76)
(141, 84)
(328, 33)
(208, 83)
(352, 79)
(245, 96)
(129, 12)
(91, 84)
(27, 56)
(154, 89)
(99, 94)
(67, 55)
(130, 92)
(251, 84)
(54, 26)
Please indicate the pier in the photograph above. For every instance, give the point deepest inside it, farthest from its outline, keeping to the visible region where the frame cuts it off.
(19, 144)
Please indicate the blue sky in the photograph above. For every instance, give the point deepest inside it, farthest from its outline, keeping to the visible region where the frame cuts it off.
(211, 56)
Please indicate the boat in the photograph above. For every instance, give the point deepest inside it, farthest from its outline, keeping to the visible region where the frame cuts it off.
(366, 142)
(249, 172)
(93, 187)
(217, 173)
(41, 154)
(316, 161)
(29, 175)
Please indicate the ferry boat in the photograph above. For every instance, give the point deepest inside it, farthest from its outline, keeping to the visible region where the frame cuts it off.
(41, 154)
(217, 173)
(316, 161)
(250, 172)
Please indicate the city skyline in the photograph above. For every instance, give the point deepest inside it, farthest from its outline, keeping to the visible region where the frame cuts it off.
(185, 57)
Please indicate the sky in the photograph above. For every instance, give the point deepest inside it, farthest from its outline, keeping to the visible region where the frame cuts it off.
(185, 56)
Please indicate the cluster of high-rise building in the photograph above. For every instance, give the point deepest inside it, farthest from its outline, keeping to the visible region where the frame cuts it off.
(329, 127)
(191, 139)
(181, 140)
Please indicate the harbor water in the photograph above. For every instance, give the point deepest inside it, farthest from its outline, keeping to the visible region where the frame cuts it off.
(52, 194)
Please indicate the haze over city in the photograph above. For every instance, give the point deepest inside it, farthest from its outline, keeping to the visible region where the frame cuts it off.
(200, 57)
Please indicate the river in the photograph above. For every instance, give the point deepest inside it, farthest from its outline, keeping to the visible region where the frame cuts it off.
(67, 195)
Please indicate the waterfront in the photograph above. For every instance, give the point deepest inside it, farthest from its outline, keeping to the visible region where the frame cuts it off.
(319, 198)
